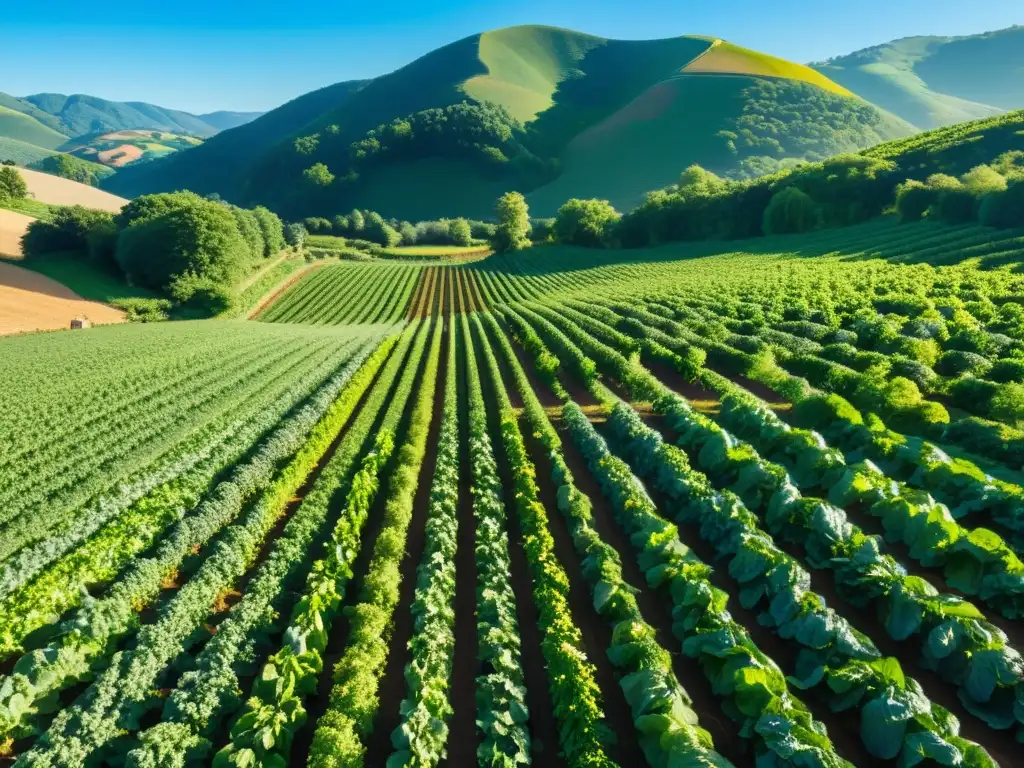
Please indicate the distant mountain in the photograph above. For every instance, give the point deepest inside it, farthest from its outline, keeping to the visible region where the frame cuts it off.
(936, 81)
(224, 121)
(551, 112)
(218, 163)
(80, 115)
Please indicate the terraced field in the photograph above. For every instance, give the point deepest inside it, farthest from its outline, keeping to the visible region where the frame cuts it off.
(565, 507)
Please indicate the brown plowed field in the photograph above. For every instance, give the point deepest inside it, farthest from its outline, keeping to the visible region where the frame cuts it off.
(33, 302)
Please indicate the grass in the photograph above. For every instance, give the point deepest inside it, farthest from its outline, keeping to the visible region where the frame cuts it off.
(326, 242)
(727, 58)
(436, 250)
(29, 207)
(16, 125)
(85, 279)
(21, 152)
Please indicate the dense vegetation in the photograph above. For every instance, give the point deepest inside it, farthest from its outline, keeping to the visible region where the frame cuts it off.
(74, 168)
(191, 250)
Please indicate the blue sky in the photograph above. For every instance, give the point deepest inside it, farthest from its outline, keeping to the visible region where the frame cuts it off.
(257, 54)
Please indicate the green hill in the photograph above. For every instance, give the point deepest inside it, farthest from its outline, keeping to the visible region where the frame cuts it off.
(21, 152)
(936, 81)
(547, 111)
(25, 128)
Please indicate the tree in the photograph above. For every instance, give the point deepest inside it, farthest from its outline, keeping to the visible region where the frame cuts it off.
(250, 231)
(588, 223)
(74, 168)
(295, 234)
(318, 175)
(356, 220)
(306, 145)
(12, 185)
(317, 224)
(200, 239)
(790, 211)
(151, 206)
(542, 230)
(68, 230)
(407, 232)
(272, 227)
(460, 232)
(513, 230)
(379, 231)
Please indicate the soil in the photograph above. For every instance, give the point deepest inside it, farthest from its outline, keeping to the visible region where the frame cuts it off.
(12, 226)
(30, 301)
(392, 685)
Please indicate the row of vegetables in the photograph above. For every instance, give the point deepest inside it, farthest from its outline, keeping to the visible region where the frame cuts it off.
(43, 580)
(277, 707)
(84, 643)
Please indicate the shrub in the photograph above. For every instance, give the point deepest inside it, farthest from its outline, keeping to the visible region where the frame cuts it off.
(1004, 209)
(1007, 404)
(957, 362)
(542, 230)
(460, 232)
(317, 225)
(201, 296)
(913, 199)
(1004, 371)
(143, 310)
(919, 373)
(589, 223)
(790, 211)
(380, 232)
(68, 230)
(12, 185)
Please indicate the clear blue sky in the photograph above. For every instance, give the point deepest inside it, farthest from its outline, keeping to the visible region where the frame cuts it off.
(203, 55)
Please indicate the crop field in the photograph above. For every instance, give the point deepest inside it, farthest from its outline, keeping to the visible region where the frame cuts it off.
(700, 505)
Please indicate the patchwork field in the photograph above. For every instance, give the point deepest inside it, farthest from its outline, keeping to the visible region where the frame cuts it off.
(755, 504)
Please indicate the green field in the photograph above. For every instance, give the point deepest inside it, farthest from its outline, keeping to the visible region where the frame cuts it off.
(817, 446)
(22, 152)
(22, 127)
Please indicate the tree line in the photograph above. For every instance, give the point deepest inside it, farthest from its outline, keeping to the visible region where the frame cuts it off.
(189, 249)
(373, 228)
(843, 190)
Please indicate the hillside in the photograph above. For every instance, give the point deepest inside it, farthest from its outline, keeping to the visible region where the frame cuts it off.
(25, 128)
(54, 190)
(550, 111)
(217, 164)
(122, 148)
(82, 115)
(936, 81)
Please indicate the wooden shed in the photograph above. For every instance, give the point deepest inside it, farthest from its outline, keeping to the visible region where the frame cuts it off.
(80, 322)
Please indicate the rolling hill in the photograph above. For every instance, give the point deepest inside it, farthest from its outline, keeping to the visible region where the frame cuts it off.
(581, 115)
(936, 81)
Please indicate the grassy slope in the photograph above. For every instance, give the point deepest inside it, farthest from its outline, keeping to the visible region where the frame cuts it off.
(85, 279)
(21, 152)
(935, 81)
(17, 125)
(729, 59)
(525, 66)
(954, 149)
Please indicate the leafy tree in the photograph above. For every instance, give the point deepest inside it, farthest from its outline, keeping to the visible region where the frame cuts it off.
(589, 223)
(306, 145)
(379, 231)
(318, 175)
(151, 206)
(513, 230)
(272, 228)
(407, 232)
(200, 239)
(249, 228)
(12, 185)
(791, 210)
(68, 230)
(317, 224)
(357, 221)
(460, 232)
(295, 234)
